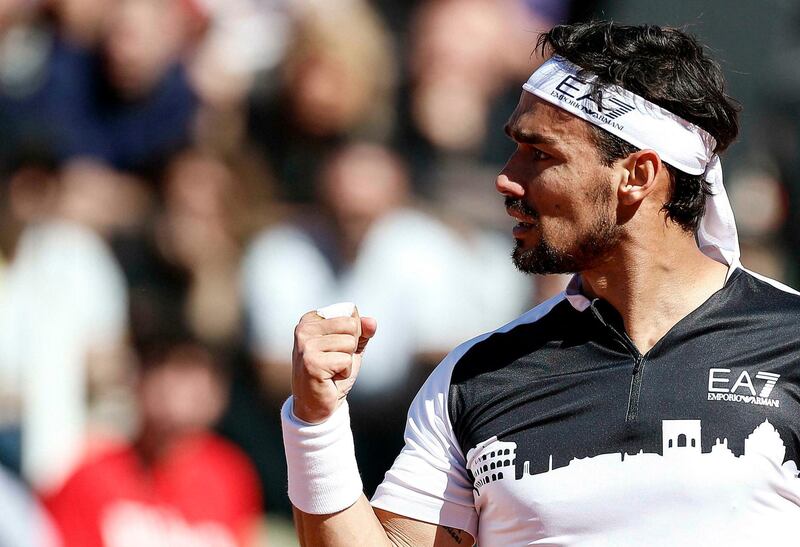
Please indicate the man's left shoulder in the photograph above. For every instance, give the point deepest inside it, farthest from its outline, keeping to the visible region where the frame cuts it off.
(761, 292)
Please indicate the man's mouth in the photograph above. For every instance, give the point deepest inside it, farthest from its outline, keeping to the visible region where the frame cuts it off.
(522, 228)
(527, 217)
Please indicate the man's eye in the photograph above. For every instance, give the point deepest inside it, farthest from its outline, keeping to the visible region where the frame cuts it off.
(538, 155)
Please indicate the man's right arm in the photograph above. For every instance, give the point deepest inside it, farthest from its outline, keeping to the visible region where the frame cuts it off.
(325, 362)
(361, 524)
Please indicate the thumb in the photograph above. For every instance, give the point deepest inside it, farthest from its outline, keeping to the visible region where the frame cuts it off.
(368, 328)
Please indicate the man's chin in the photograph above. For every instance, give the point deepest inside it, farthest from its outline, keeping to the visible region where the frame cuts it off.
(540, 260)
(525, 259)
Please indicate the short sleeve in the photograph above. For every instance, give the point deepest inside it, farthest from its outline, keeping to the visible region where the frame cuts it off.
(428, 481)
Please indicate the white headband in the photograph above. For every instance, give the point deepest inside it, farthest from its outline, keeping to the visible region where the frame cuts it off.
(645, 125)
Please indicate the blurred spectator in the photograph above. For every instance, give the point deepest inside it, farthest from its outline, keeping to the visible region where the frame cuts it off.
(80, 22)
(25, 43)
(211, 208)
(338, 81)
(184, 264)
(340, 71)
(466, 59)
(245, 39)
(760, 193)
(23, 522)
(776, 155)
(178, 483)
(297, 265)
(63, 307)
(236, 57)
(101, 198)
(125, 101)
(10, 11)
(399, 264)
(457, 65)
(465, 62)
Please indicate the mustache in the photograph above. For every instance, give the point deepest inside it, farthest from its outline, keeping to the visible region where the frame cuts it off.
(518, 206)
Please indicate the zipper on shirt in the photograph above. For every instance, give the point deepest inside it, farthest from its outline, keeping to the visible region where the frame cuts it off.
(636, 376)
(636, 387)
(638, 367)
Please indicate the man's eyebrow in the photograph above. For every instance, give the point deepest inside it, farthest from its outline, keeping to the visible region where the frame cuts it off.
(527, 137)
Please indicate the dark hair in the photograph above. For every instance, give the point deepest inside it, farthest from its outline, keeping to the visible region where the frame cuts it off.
(666, 66)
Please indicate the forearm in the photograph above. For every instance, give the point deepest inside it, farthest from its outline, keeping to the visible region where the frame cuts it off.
(324, 482)
(356, 525)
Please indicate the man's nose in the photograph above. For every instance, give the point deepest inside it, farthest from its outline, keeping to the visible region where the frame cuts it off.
(507, 186)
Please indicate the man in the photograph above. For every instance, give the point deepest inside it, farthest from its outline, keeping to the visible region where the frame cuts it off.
(177, 483)
(653, 403)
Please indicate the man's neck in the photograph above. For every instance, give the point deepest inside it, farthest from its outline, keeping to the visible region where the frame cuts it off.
(654, 283)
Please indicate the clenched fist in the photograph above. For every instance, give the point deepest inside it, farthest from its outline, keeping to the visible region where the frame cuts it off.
(326, 360)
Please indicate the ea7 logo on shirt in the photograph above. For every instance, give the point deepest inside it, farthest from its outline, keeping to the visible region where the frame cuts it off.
(743, 389)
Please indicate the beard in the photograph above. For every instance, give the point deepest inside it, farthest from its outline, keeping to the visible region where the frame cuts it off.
(589, 249)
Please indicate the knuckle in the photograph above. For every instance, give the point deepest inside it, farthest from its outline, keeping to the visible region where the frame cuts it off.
(300, 332)
(345, 361)
(315, 358)
(301, 348)
(308, 316)
(311, 365)
(311, 344)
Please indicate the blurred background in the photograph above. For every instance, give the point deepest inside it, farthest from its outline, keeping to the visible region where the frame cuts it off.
(180, 180)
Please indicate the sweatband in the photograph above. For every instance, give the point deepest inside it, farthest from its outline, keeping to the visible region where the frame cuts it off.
(340, 309)
(321, 461)
(645, 125)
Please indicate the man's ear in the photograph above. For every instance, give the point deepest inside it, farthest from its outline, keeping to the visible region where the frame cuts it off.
(641, 176)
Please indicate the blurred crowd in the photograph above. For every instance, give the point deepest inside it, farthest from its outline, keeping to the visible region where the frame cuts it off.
(180, 180)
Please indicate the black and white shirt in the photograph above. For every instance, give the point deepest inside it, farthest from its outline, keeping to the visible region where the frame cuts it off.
(555, 430)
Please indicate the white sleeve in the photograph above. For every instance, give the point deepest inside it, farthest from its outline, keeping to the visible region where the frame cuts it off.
(428, 481)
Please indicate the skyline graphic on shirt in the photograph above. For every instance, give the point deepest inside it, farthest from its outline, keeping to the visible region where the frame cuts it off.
(494, 460)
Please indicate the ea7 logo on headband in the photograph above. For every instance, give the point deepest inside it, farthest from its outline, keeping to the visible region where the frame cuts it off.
(569, 87)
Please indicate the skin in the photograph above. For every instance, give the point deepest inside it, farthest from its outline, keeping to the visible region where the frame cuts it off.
(567, 218)
(651, 271)
(654, 274)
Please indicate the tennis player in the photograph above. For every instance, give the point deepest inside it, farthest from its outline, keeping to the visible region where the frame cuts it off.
(655, 402)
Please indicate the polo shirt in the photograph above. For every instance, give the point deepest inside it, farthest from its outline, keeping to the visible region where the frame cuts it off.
(556, 430)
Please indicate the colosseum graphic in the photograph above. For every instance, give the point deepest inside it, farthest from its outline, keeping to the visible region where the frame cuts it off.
(494, 460)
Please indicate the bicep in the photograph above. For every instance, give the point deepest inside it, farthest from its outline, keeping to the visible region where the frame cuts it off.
(408, 532)
(429, 481)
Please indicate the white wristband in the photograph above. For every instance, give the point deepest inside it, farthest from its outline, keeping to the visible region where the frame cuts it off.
(321, 462)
